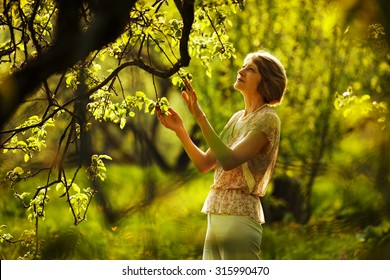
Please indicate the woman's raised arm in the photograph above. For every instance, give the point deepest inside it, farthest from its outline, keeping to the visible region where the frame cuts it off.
(229, 157)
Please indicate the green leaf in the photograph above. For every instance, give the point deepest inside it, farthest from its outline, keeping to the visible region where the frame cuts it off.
(50, 122)
(140, 94)
(75, 187)
(101, 168)
(22, 144)
(337, 104)
(60, 187)
(105, 157)
(26, 158)
(122, 123)
(24, 194)
(30, 217)
(18, 170)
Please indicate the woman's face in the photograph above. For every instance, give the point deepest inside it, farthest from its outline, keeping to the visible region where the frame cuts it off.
(248, 77)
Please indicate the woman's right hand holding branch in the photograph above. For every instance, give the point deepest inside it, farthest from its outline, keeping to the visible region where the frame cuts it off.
(171, 120)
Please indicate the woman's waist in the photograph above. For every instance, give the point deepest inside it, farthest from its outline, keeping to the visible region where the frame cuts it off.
(232, 191)
(241, 188)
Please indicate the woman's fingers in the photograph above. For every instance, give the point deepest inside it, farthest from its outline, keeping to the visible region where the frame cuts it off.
(188, 85)
(185, 96)
(189, 95)
(171, 111)
(160, 116)
(190, 89)
(190, 98)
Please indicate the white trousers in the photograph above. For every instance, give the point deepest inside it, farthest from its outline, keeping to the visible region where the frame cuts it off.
(232, 238)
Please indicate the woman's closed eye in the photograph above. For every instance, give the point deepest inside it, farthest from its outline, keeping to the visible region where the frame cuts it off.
(249, 68)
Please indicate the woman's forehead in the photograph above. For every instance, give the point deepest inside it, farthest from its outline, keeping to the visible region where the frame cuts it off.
(250, 60)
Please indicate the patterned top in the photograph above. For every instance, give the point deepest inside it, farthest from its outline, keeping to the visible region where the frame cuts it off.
(237, 191)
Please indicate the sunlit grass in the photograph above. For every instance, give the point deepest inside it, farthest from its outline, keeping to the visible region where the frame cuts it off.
(172, 226)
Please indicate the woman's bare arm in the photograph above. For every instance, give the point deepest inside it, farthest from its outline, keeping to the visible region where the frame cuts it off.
(238, 154)
(229, 157)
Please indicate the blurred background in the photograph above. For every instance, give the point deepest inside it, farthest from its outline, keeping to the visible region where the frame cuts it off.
(330, 194)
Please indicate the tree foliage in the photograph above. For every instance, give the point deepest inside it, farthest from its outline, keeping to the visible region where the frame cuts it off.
(66, 57)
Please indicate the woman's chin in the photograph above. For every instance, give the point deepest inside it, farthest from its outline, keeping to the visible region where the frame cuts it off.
(237, 86)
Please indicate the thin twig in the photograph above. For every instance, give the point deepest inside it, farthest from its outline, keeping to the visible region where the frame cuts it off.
(215, 30)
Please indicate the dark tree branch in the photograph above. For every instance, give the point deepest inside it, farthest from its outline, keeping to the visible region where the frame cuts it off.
(71, 45)
(187, 11)
(188, 14)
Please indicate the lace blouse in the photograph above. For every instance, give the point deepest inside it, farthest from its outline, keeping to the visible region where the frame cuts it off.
(238, 191)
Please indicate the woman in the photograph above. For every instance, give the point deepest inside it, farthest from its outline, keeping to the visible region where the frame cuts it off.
(243, 157)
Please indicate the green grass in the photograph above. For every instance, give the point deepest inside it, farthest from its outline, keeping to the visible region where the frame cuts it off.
(171, 227)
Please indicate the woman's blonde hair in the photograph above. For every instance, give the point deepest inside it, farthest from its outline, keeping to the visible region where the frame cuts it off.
(274, 79)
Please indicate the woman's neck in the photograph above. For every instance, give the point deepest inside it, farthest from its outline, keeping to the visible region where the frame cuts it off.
(253, 103)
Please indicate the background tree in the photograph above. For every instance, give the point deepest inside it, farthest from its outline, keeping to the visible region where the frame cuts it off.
(330, 66)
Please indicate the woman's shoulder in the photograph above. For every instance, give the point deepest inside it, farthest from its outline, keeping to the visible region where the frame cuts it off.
(268, 112)
(233, 119)
(268, 116)
(236, 116)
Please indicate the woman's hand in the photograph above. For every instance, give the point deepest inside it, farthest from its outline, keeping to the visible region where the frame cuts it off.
(171, 121)
(192, 100)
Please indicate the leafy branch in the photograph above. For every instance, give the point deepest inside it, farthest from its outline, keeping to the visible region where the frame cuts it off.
(45, 57)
